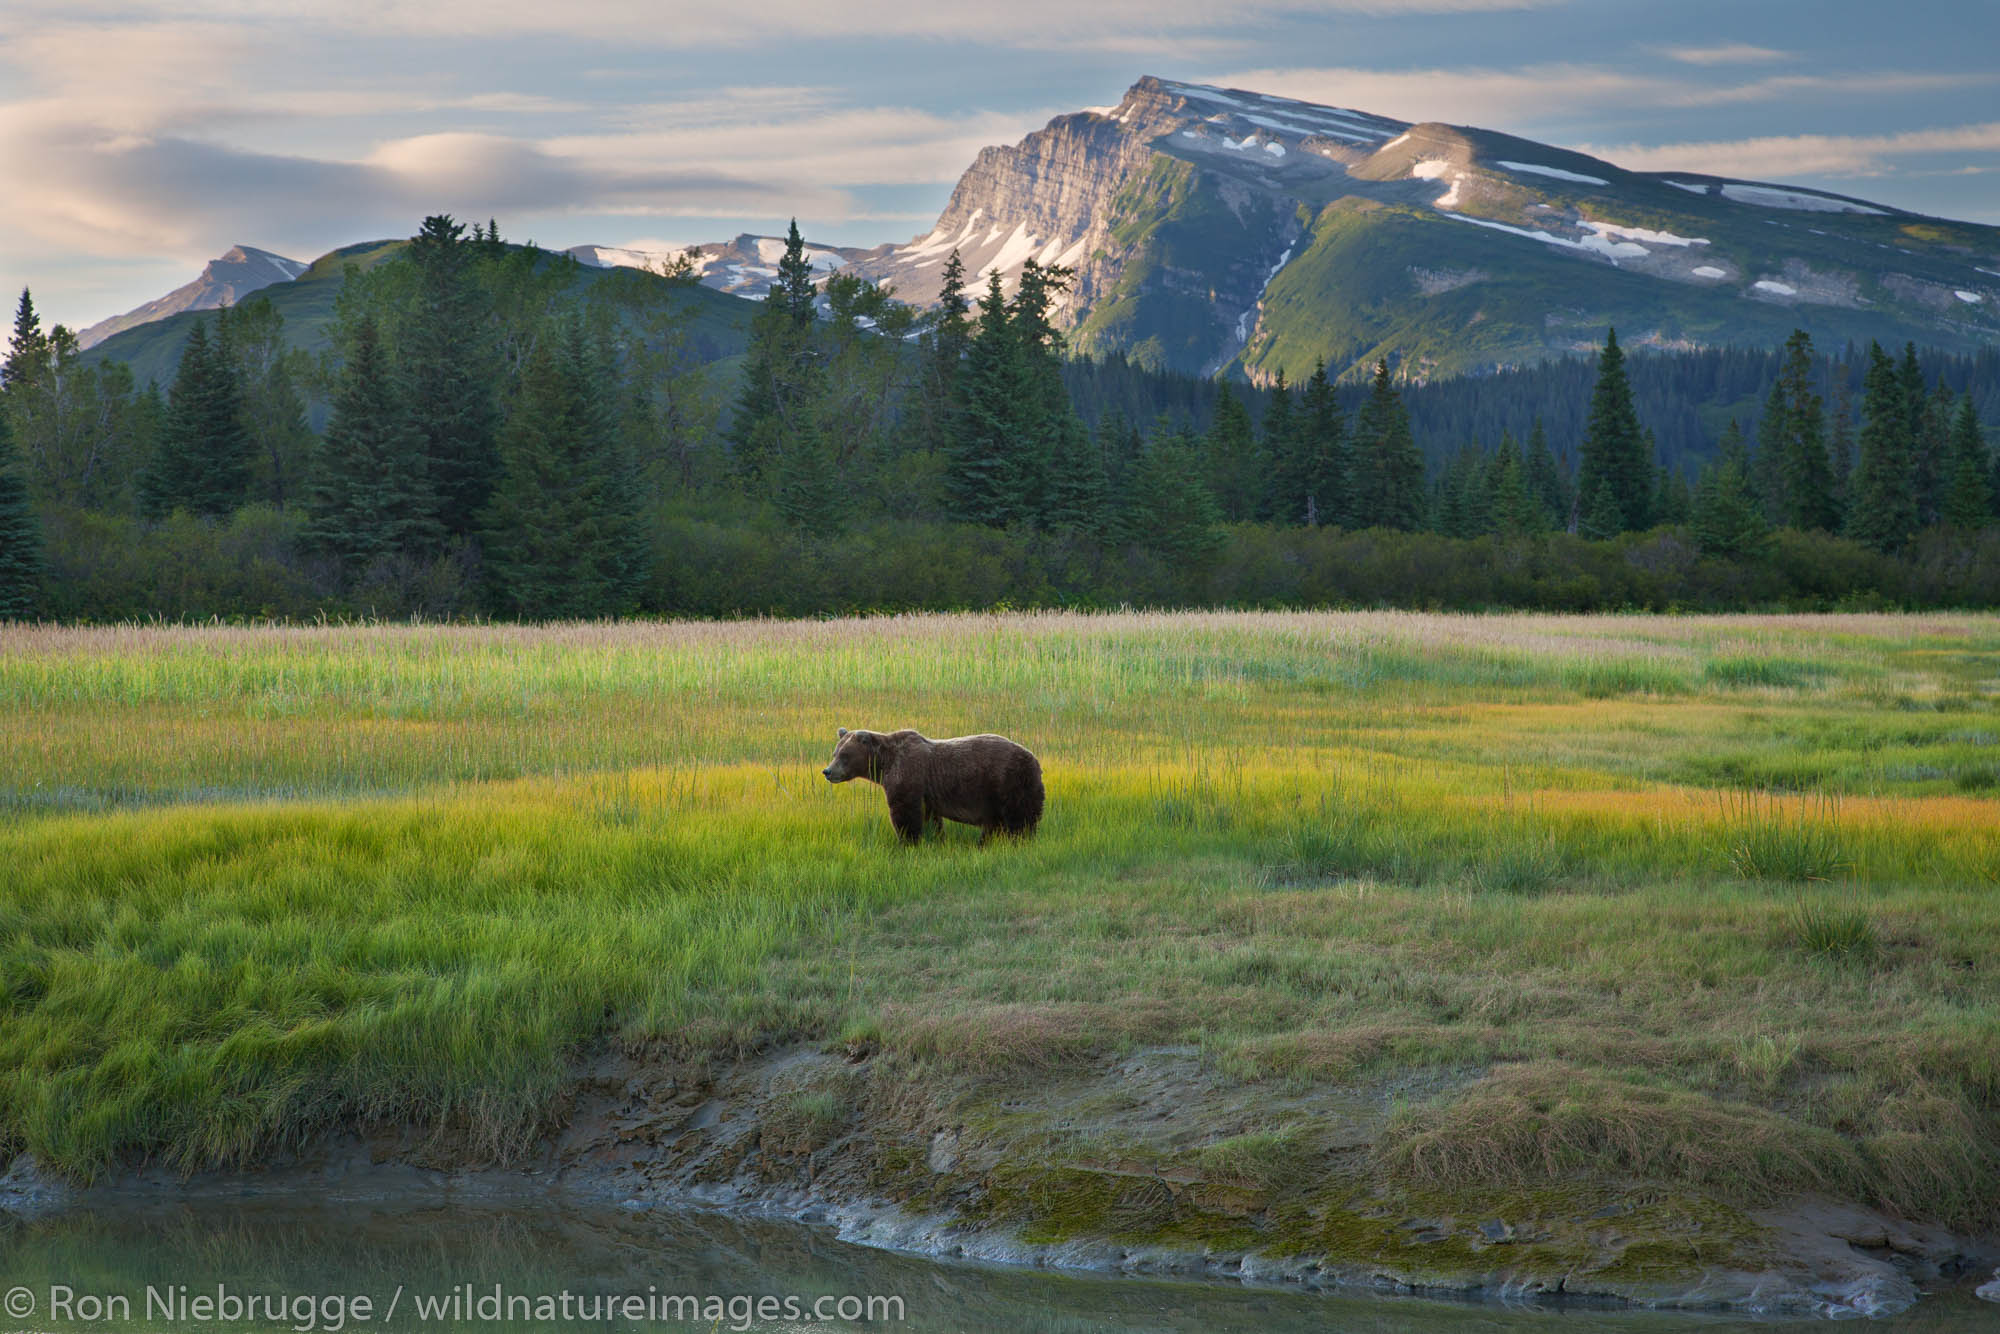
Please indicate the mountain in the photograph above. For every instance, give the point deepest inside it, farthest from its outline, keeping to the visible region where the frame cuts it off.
(719, 327)
(1215, 229)
(743, 267)
(238, 272)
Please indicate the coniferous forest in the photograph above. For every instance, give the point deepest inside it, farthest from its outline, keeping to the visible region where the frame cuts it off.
(484, 438)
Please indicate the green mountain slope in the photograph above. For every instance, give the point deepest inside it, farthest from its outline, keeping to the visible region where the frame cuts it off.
(719, 329)
(1221, 230)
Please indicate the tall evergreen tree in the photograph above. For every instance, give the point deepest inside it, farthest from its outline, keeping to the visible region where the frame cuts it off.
(21, 567)
(1325, 456)
(449, 369)
(1920, 445)
(1281, 455)
(945, 341)
(1042, 412)
(1544, 477)
(1933, 450)
(1805, 478)
(274, 416)
(1884, 509)
(28, 349)
(982, 475)
(1234, 473)
(370, 493)
(1387, 469)
(557, 539)
(1968, 497)
(202, 461)
(1516, 509)
(781, 377)
(1079, 483)
(1840, 443)
(1172, 513)
(1614, 448)
(1725, 518)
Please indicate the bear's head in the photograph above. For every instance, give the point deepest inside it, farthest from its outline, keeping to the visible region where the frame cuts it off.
(858, 755)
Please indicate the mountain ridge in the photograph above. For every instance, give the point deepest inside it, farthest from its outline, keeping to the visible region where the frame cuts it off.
(223, 281)
(1224, 231)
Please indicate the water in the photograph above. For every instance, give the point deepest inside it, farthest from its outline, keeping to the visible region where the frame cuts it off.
(416, 1267)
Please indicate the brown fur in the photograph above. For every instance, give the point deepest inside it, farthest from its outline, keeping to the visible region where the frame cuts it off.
(983, 780)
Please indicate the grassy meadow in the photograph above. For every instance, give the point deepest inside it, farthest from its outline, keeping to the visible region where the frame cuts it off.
(1713, 901)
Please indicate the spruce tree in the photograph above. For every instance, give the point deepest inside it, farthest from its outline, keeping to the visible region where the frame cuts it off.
(1968, 497)
(1724, 517)
(28, 349)
(1602, 517)
(1516, 510)
(201, 463)
(1325, 456)
(1884, 510)
(21, 568)
(981, 476)
(1614, 448)
(1041, 413)
(449, 368)
(943, 354)
(1544, 477)
(781, 380)
(1078, 483)
(1805, 477)
(1234, 472)
(1283, 476)
(556, 533)
(1840, 444)
(1388, 472)
(1172, 513)
(1919, 444)
(1933, 451)
(370, 495)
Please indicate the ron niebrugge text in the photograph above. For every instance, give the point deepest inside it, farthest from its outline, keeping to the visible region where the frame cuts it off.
(330, 1313)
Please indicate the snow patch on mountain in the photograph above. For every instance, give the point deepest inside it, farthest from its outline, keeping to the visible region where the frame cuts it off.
(1709, 271)
(1969, 298)
(1645, 234)
(1769, 196)
(1774, 287)
(1437, 169)
(1557, 172)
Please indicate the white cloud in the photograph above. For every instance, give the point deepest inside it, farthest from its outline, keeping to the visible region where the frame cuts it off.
(1727, 53)
(1789, 156)
(1553, 93)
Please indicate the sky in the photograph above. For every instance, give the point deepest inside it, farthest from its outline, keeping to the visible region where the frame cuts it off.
(140, 138)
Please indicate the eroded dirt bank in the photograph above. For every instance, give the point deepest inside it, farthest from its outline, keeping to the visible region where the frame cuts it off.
(1153, 1163)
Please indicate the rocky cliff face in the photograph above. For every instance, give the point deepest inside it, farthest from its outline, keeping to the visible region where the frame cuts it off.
(1210, 228)
(1172, 210)
(227, 279)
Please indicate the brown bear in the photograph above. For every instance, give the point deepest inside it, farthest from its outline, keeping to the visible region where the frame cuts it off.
(983, 780)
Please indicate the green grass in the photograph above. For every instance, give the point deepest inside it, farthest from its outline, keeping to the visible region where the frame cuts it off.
(265, 881)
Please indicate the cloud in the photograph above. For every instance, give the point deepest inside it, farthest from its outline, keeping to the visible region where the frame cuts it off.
(1551, 94)
(114, 194)
(1790, 156)
(1729, 53)
(1104, 25)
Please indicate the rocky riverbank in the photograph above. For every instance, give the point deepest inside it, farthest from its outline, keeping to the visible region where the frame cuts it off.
(1154, 1163)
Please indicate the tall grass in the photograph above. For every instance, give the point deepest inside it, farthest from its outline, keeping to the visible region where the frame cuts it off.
(264, 880)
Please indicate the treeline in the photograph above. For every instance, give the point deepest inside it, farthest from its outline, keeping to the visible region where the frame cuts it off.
(496, 443)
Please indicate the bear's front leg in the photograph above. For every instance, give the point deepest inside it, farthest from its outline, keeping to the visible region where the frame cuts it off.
(906, 813)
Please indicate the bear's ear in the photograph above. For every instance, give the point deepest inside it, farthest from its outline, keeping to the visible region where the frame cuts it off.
(840, 731)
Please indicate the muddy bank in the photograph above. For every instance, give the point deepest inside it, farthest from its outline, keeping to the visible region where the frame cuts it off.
(1150, 1164)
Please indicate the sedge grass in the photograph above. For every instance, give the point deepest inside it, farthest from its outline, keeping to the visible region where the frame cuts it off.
(260, 881)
